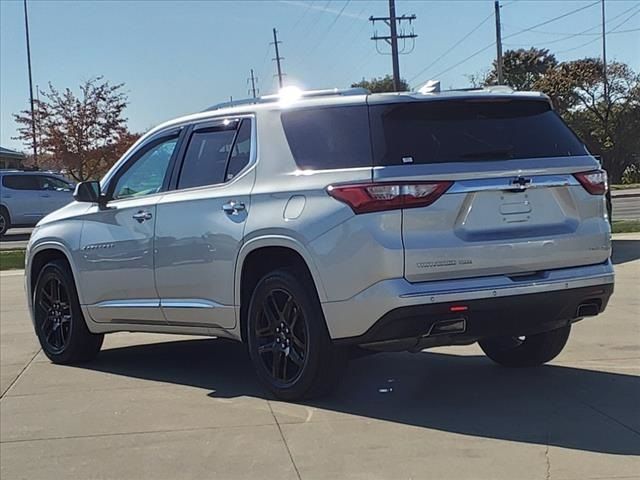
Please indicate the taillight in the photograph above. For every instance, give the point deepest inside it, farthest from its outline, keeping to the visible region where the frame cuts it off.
(376, 197)
(594, 182)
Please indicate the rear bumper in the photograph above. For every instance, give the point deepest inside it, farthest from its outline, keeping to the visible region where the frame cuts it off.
(398, 310)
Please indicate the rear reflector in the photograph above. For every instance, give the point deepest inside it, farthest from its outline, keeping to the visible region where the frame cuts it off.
(376, 197)
(458, 308)
(594, 182)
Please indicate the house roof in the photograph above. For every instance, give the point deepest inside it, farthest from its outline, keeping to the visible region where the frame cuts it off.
(5, 152)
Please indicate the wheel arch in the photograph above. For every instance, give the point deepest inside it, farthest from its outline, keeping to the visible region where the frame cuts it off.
(39, 256)
(277, 251)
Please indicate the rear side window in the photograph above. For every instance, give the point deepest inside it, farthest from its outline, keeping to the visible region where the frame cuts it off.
(206, 158)
(467, 131)
(216, 155)
(21, 182)
(336, 137)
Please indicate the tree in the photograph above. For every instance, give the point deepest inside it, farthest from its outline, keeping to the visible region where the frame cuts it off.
(82, 134)
(608, 125)
(522, 69)
(382, 84)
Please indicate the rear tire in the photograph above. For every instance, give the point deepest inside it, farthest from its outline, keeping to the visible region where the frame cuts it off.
(59, 323)
(528, 351)
(288, 340)
(5, 221)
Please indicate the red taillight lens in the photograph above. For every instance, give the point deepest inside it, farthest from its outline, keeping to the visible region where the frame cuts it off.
(594, 182)
(376, 197)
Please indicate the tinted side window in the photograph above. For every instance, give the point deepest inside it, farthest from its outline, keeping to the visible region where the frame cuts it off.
(241, 151)
(21, 182)
(205, 160)
(467, 131)
(327, 138)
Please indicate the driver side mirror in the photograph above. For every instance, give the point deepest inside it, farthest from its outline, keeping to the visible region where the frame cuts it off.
(89, 192)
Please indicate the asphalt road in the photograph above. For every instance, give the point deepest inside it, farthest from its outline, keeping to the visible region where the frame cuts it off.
(169, 407)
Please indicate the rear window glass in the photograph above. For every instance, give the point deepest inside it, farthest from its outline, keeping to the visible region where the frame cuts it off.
(336, 137)
(467, 131)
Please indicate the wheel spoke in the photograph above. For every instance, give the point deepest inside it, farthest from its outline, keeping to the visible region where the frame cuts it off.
(265, 331)
(270, 316)
(266, 348)
(56, 291)
(297, 342)
(295, 357)
(284, 367)
(277, 355)
(44, 303)
(286, 310)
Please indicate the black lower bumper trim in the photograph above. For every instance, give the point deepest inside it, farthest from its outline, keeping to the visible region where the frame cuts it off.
(488, 317)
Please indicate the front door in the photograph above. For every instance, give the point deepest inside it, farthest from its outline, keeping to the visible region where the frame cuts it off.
(200, 226)
(116, 246)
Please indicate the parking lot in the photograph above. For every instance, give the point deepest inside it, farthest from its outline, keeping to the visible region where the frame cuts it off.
(154, 406)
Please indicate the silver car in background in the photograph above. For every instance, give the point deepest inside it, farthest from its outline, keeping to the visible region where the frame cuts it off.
(312, 225)
(26, 197)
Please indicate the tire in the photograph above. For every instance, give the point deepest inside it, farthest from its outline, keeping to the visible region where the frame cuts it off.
(288, 341)
(5, 221)
(528, 351)
(59, 323)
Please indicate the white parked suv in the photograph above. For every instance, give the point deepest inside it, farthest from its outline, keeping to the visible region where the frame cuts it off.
(311, 224)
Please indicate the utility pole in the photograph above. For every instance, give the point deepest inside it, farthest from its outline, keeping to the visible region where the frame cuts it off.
(253, 81)
(33, 117)
(499, 43)
(278, 57)
(604, 59)
(392, 21)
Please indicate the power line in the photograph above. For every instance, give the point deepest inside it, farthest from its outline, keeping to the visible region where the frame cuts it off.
(613, 30)
(317, 44)
(584, 32)
(475, 29)
(611, 20)
(546, 22)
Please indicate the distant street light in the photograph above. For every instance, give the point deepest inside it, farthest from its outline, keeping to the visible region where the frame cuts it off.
(33, 117)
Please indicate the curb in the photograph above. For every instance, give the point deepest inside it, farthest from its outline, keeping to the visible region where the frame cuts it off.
(624, 195)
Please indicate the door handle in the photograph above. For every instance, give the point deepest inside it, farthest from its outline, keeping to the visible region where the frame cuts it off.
(46, 195)
(233, 208)
(142, 215)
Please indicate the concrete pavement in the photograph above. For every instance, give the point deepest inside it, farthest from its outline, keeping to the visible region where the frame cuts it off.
(169, 407)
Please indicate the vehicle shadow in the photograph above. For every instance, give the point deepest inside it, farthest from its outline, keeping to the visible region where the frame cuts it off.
(551, 405)
(624, 251)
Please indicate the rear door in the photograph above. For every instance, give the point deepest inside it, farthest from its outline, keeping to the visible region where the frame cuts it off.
(512, 203)
(201, 223)
(21, 194)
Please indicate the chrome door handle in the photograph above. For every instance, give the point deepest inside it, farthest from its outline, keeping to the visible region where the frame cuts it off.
(142, 215)
(233, 208)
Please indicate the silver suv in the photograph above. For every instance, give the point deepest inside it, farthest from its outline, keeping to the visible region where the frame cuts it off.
(312, 225)
(26, 197)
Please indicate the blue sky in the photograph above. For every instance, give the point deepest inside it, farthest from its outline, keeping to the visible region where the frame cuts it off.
(180, 57)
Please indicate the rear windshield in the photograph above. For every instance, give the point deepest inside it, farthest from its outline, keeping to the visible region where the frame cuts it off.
(467, 131)
(336, 137)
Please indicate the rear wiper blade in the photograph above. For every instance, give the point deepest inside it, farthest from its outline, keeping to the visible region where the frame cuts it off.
(504, 153)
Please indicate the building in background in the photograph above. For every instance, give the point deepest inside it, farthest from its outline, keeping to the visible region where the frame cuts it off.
(11, 159)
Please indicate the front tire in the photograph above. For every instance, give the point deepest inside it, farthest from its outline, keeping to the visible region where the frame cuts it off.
(288, 340)
(526, 351)
(59, 323)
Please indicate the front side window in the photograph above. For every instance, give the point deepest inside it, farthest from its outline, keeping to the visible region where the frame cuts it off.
(21, 182)
(55, 184)
(147, 173)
